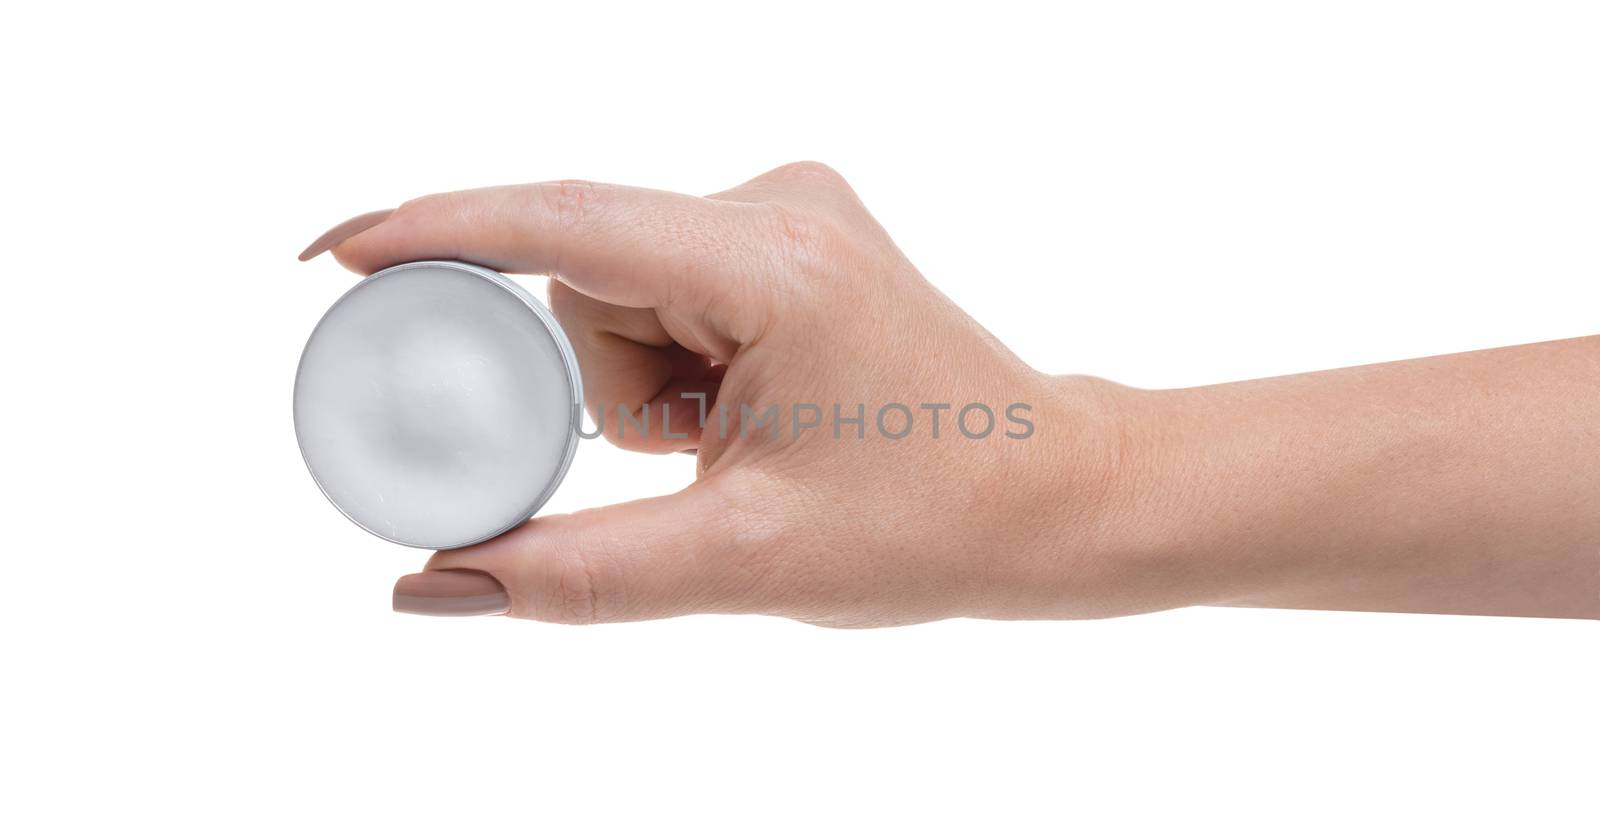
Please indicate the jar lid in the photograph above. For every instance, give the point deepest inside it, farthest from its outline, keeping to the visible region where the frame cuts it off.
(436, 404)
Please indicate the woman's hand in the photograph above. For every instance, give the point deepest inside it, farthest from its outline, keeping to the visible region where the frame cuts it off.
(953, 480)
(782, 292)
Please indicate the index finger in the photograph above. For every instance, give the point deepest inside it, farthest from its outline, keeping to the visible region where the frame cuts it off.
(626, 246)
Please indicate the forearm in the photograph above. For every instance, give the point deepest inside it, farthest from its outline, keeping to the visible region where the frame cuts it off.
(1458, 484)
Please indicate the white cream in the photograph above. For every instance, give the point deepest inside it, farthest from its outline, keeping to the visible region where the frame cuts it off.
(434, 404)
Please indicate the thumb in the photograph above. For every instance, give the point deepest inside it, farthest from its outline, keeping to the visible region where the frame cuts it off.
(652, 558)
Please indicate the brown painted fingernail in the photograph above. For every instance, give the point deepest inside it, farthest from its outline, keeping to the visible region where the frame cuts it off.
(451, 592)
(344, 231)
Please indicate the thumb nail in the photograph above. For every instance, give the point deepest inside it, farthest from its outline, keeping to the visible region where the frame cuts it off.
(344, 231)
(451, 592)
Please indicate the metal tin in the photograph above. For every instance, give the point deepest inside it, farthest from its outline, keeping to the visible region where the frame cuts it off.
(435, 403)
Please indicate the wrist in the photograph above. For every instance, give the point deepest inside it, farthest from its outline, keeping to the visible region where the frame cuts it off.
(1129, 522)
(1074, 491)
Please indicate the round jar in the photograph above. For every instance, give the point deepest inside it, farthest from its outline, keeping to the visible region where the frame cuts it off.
(436, 404)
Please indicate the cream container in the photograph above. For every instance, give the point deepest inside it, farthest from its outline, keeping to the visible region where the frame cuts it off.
(436, 404)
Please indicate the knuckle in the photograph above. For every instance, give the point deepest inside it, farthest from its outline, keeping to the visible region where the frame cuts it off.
(425, 205)
(796, 229)
(576, 595)
(570, 201)
(571, 586)
(813, 172)
(809, 240)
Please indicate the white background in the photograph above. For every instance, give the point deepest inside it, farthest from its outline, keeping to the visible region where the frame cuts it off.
(1162, 194)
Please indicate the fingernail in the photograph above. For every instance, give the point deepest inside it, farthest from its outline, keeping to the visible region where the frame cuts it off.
(451, 592)
(344, 231)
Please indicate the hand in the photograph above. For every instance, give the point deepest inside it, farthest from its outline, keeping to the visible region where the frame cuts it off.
(1461, 484)
(781, 292)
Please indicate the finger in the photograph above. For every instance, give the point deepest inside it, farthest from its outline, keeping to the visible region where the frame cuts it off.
(653, 558)
(637, 372)
(626, 246)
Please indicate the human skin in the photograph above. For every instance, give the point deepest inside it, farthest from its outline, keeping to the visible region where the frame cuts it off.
(1459, 484)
